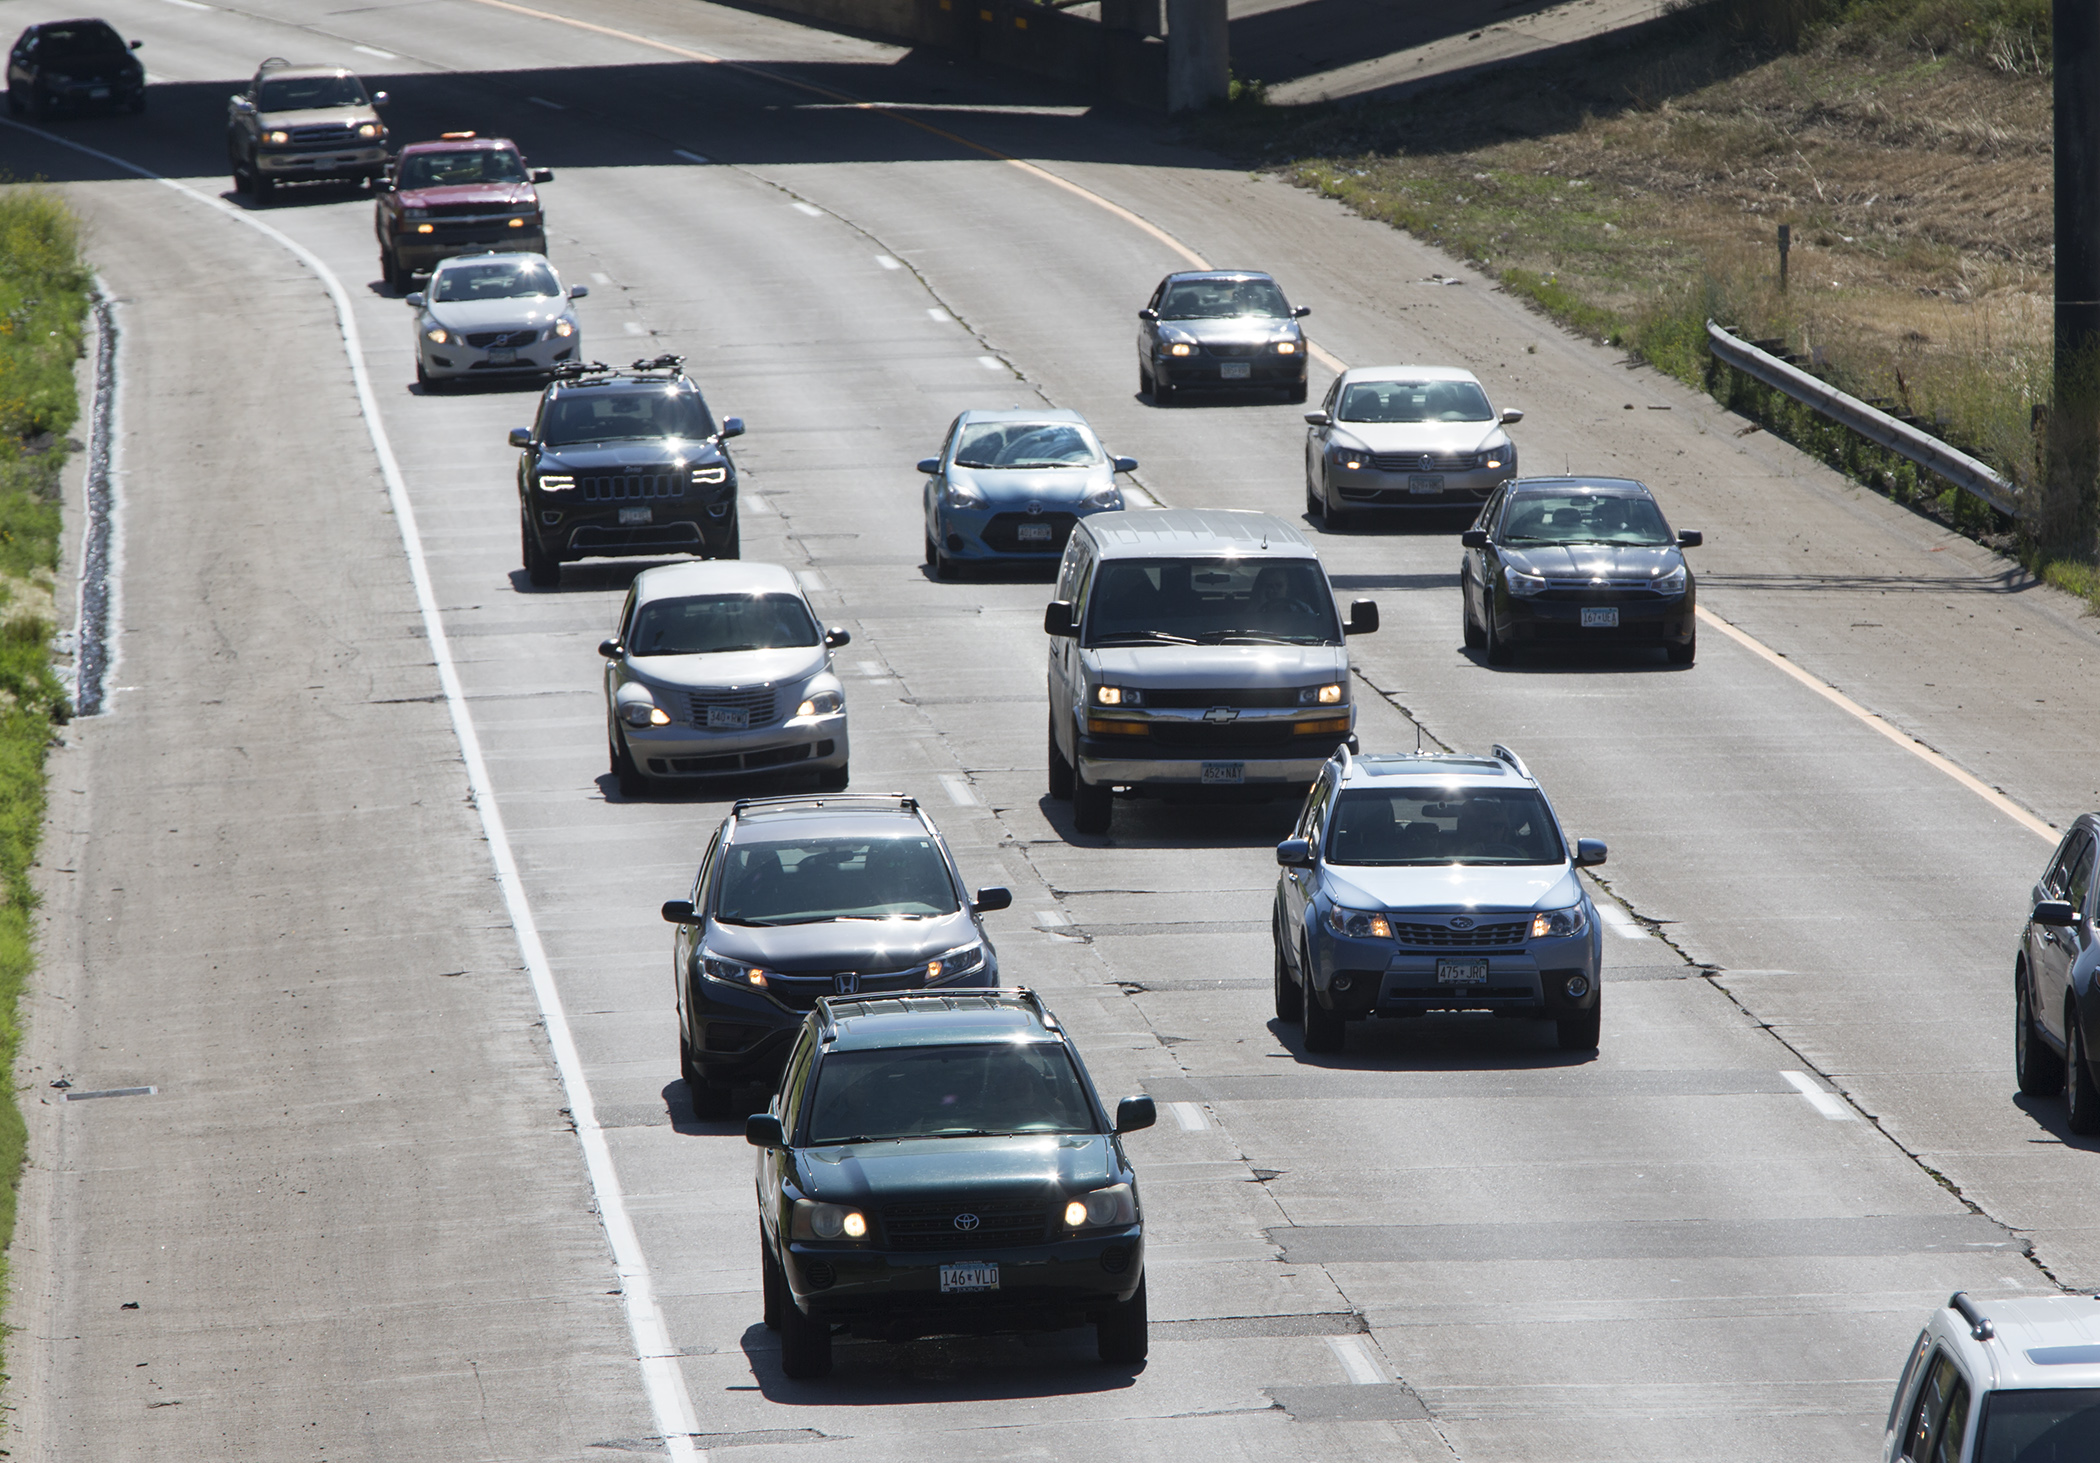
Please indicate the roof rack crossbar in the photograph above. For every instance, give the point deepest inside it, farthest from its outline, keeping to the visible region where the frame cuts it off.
(904, 801)
(1980, 1325)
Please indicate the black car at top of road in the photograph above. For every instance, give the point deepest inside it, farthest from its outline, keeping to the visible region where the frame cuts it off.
(1214, 329)
(1577, 560)
(624, 463)
(802, 897)
(2056, 1022)
(941, 1165)
(72, 64)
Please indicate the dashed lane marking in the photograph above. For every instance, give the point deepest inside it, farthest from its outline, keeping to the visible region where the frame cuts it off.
(809, 208)
(1354, 1353)
(959, 791)
(886, 262)
(1190, 1115)
(1823, 1102)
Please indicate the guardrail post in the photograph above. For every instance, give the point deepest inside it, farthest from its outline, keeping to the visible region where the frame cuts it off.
(1786, 242)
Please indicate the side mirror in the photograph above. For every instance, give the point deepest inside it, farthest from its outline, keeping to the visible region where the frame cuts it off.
(1511, 416)
(930, 466)
(762, 1130)
(384, 185)
(579, 291)
(1057, 617)
(991, 898)
(521, 436)
(378, 98)
(1589, 852)
(1301, 312)
(1148, 313)
(542, 175)
(1318, 419)
(1294, 853)
(731, 427)
(1133, 1113)
(836, 636)
(136, 44)
(2055, 913)
(1126, 464)
(1474, 538)
(415, 301)
(1690, 538)
(680, 912)
(240, 103)
(611, 649)
(1363, 617)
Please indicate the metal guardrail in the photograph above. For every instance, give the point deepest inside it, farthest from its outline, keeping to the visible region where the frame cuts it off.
(1901, 438)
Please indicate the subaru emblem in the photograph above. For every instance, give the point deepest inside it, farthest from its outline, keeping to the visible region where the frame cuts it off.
(1462, 922)
(965, 1221)
(1219, 715)
(848, 983)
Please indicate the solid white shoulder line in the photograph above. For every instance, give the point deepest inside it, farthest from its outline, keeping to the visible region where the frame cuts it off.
(661, 1379)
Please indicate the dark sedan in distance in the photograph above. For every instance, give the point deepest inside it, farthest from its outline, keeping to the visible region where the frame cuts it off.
(72, 65)
(1577, 561)
(1220, 329)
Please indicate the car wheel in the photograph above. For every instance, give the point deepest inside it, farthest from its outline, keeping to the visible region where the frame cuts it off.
(805, 1344)
(710, 1100)
(1290, 1006)
(732, 543)
(1122, 1334)
(1580, 1032)
(1093, 805)
(14, 103)
(1162, 392)
(2081, 1095)
(634, 783)
(1325, 1030)
(2036, 1064)
(542, 569)
(261, 186)
(136, 105)
(1333, 516)
(1144, 382)
(40, 106)
(834, 779)
(1686, 653)
(1296, 395)
(773, 1285)
(397, 279)
(1314, 508)
(1474, 639)
(1493, 648)
(933, 556)
(687, 1067)
(1061, 776)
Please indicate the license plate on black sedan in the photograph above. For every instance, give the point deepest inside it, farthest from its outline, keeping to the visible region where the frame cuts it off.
(1233, 370)
(1600, 618)
(976, 1275)
(1462, 972)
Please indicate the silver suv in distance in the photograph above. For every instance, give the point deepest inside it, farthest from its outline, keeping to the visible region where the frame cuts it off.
(1194, 649)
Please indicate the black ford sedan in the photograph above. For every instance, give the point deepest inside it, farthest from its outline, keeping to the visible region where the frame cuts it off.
(803, 897)
(1574, 561)
(939, 1165)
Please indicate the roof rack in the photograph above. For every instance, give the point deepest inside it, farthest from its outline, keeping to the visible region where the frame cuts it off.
(272, 63)
(665, 362)
(456, 136)
(904, 801)
(827, 1013)
(1980, 1325)
(571, 370)
(1504, 754)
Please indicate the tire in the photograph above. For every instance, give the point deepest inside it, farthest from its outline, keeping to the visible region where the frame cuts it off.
(397, 279)
(1290, 1006)
(2081, 1095)
(1122, 1334)
(1474, 638)
(1333, 516)
(1093, 805)
(1061, 775)
(260, 187)
(14, 103)
(40, 108)
(1162, 393)
(1325, 1030)
(137, 105)
(805, 1345)
(732, 547)
(1580, 1032)
(1295, 395)
(541, 568)
(1314, 508)
(2037, 1065)
(933, 556)
(1686, 653)
(687, 1068)
(634, 783)
(710, 1100)
(1144, 382)
(834, 779)
(772, 1284)
(1493, 648)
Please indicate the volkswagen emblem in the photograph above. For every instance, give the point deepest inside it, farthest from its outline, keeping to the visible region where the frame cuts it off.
(1462, 922)
(966, 1221)
(848, 983)
(1219, 715)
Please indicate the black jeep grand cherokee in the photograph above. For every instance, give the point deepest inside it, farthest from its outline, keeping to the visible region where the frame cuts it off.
(624, 463)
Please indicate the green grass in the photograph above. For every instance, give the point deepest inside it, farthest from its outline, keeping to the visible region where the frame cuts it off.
(43, 310)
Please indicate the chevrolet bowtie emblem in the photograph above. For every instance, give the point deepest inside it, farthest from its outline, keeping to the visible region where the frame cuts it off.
(1219, 715)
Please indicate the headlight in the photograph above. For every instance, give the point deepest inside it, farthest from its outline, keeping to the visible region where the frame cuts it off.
(426, 228)
(1524, 584)
(644, 713)
(960, 495)
(821, 704)
(556, 482)
(1349, 457)
(1102, 499)
(1491, 459)
(1670, 583)
(563, 329)
(1358, 924)
(1118, 696)
(437, 335)
(278, 138)
(828, 1221)
(1179, 350)
(1559, 924)
(961, 961)
(1320, 696)
(517, 223)
(1286, 347)
(731, 972)
(1114, 1205)
(708, 476)
(370, 129)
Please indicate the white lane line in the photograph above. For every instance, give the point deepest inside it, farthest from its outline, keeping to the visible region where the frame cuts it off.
(597, 277)
(1823, 1102)
(188, 4)
(991, 363)
(550, 106)
(941, 315)
(959, 791)
(812, 580)
(1618, 921)
(756, 506)
(809, 208)
(872, 668)
(1190, 1115)
(1354, 1353)
(662, 1380)
(1051, 919)
(1901, 738)
(633, 327)
(691, 157)
(886, 262)
(375, 51)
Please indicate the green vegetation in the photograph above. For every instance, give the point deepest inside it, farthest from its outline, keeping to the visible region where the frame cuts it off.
(43, 308)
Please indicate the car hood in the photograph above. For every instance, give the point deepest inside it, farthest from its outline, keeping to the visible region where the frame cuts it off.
(495, 196)
(642, 452)
(872, 947)
(539, 310)
(1167, 667)
(1243, 330)
(1421, 436)
(739, 668)
(1453, 888)
(1049, 1165)
(1050, 486)
(1594, 561)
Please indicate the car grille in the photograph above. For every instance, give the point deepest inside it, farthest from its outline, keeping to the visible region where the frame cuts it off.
(1231, 351)
(739, 762)
(999, 1225)
(760, 705)
(617, 486)
(799, 990)
(1232, 736)
(1003, 533)
(482, 340)
(1443, 937)
(323, 134)
(1425, 461)
(1582, 591)
(487, 209)
(1243, 697)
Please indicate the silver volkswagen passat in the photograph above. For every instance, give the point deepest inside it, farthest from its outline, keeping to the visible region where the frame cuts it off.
(1405, 437)
(494, 315)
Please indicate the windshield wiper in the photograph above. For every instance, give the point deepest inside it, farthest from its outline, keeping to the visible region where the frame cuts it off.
(1141, 636)
(1045, 462)
(1257, 637)
(730, 919)
(971, 462)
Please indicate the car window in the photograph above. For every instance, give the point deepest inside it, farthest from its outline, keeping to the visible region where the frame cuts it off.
(79, 42)
(1584, 518)
(1085, 586)
(794, 1082)
(307, 93)
(1921, 1432)
(1910, 1369)
(2066, 858)
(507, 279)
(1068, 570)
(1213, 602)
(1315, 806)
(595, 414)
(718, 624)
(1414, 401)
(1025, 444)
(806, 881)
(1443, 825)
(951, 1091)
(1223, 299)
(2052, 1426)
(459, 169)
(1953, 1425)
(2080, 883)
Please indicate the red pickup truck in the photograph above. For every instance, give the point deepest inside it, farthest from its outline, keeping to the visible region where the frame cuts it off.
(458, 195)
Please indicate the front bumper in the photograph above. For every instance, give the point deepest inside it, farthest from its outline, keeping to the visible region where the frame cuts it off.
(897, 1294)
(1389, 980)
(572, 527)
(1370, 487)
(91, 93)
(340, 164)
(1644, 619)
(419, 252)
(1189, 751)
(457, 358)
(1000, 533)
(801, 743)
(1201, 371)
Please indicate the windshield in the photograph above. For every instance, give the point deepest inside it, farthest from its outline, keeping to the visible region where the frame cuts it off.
(2057, 1426)
(1025, 444)
(1413, 401)
(510, 279)
(715, 624)
(78, 42)
(1584, 518)
(594, 414)
(1223, 299)
(806, 881)
(309, 93)
(456, 169)
(954, 1091)
(1212, 602)
(1441, 825)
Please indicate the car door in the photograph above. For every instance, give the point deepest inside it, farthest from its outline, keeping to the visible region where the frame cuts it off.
(2053, 951)
(1299, 885)
(685, 939)
(1473, 568)
(1316, 436)
(1148, 330)
(939, 480)
(1073, 578)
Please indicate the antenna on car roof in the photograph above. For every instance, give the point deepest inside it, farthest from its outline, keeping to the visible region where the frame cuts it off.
(1418, 739)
